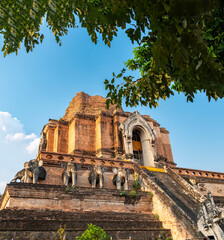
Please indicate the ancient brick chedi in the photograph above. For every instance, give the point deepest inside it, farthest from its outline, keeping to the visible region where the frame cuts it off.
(114, 169)
(88, 128)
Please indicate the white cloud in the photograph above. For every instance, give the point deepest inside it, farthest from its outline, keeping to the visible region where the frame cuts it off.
(9, 124)
(33, 146)
(2, 185)
(16, 147)
(6, 114)
(20, 137)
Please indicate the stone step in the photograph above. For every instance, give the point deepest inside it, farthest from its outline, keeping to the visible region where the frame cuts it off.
(51, 220)
(18, 214)
(34, 225)
(21, 224)
(172, 188)
(153, 234)
(36, 210)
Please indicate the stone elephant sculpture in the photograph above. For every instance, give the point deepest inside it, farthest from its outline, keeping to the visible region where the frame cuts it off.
(32, 170)
(19, 175)
(70, 172)
(96, 175)
(38, 172)
(121, 177)
(27, 173)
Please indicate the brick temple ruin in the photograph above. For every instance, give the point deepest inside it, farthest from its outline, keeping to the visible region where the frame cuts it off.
(114, 169)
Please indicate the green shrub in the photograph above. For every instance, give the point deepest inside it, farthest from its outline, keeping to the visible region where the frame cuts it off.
(122, 193)
(133, 193)
(136, 185)
(61, 233)
(156, 216)
(151, 194)
(94, 233)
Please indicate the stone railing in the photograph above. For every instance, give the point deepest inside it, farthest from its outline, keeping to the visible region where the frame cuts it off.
(198, 173)
(57, 159)
(185, 185)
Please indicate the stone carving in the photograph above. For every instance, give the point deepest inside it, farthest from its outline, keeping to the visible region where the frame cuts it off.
(96, 175)
(208, 218)
(121, 177)
(27, 173)
(193, 180)
(32, 170)
(43, 143)
(19, 175)
(38, 172)
(70, 172)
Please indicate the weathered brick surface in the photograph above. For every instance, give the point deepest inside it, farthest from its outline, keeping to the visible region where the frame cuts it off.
(50, 137)
(36, 224)
(152, 234)
(88, 128)
(85, 104)
(120, 216)
(30, 196)
(85, 135)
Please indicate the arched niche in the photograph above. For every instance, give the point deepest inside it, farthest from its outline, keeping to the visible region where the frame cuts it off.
(136, 123)
(137, 146)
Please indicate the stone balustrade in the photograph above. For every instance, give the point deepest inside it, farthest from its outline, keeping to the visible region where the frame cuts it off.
(56, 158)
(198, 173)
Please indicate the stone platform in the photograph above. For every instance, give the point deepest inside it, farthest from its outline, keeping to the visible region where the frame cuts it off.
(35, 212)
(53, 197)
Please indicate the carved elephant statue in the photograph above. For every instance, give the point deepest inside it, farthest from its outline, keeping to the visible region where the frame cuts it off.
(121, 177)
(27, 173)
(70, 172)
(32, 170)
(96, 175)
(19, 175)
(38, 172)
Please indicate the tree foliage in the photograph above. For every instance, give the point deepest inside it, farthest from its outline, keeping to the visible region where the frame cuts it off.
(94, 232)
(181, 44)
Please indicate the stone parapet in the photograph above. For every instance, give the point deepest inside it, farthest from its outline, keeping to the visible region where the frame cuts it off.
(198, 173)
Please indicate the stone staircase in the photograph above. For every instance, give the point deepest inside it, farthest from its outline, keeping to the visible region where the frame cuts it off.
(176, 205)
(181, 197)
(134, 217)
(22, 224)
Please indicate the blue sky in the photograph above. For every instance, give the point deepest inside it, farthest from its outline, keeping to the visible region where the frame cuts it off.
(39, 85)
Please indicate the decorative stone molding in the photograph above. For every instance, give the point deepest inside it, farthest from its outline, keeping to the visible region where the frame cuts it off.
(209, 216)
(137, 122)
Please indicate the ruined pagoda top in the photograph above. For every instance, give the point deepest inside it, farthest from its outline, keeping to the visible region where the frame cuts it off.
(86, 104)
